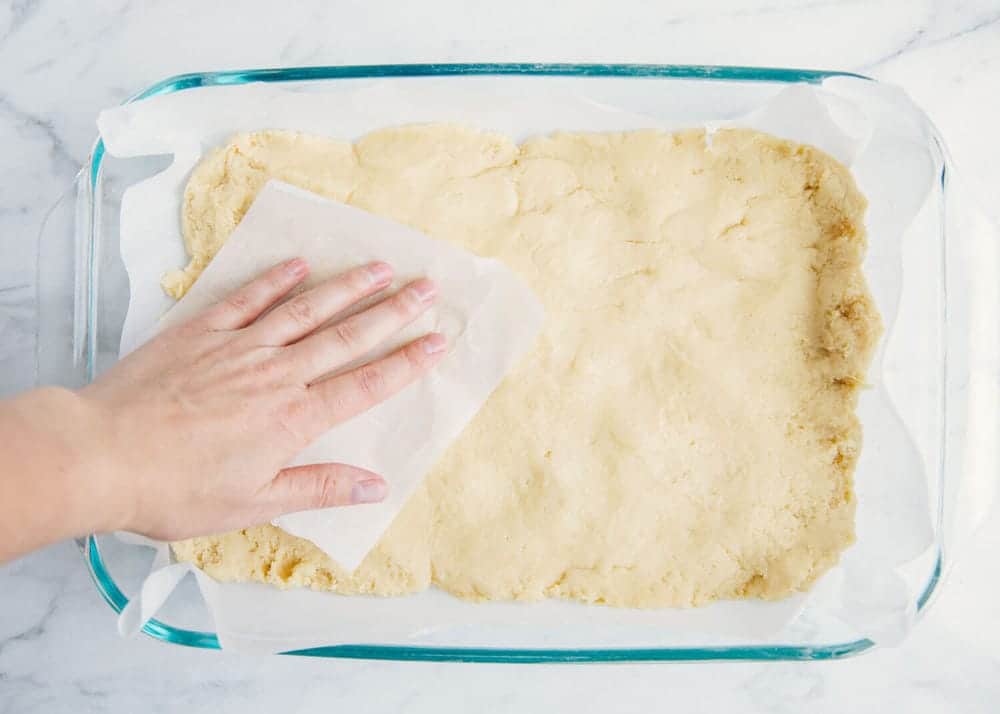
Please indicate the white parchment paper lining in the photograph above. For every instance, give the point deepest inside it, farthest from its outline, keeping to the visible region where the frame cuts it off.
(869, 591)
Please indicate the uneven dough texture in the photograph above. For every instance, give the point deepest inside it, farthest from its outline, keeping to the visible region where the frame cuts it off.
(684, 429)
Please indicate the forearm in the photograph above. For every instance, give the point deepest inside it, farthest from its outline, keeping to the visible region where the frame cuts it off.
(53, 484)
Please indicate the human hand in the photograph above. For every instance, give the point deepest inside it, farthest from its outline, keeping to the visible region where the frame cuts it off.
(195, 428)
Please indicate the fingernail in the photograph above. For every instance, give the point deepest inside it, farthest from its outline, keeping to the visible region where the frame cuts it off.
(424, 289)
(297, 267)
(371, 490)
(434, 343)
(381, 273)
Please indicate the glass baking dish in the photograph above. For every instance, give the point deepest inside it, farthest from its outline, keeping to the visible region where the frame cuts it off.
(933, 356)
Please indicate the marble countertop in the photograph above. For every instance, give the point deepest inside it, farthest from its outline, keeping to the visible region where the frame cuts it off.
(60, 63)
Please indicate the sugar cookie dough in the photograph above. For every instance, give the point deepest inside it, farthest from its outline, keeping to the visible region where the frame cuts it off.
(684, 429)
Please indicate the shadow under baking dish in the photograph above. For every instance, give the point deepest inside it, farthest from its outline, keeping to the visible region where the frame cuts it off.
(92, 350)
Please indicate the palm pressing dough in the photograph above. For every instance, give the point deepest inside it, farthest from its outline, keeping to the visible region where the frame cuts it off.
(684, 428)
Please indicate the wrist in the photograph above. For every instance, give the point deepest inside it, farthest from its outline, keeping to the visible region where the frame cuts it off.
(93, 447)
(77, 464)
(52, 476)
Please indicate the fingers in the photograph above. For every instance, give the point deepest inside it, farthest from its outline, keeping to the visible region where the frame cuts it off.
(306, 312)
(249, 302)
(349, 394)
(357, 335)
(305, 488)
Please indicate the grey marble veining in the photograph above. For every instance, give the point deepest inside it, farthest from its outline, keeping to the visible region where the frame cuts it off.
(60, 63)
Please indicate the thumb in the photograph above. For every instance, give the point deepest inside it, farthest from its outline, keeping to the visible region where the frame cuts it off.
(305, 488)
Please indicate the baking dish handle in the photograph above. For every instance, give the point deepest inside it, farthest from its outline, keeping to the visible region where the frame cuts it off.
(62, 283)
(972, 371)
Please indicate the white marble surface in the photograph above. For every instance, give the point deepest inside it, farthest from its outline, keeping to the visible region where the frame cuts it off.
(61, 62)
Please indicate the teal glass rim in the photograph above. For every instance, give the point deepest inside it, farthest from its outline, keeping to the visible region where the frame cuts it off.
(157, 629)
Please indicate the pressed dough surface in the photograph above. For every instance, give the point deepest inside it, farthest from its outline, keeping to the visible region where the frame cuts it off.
(684, 427)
